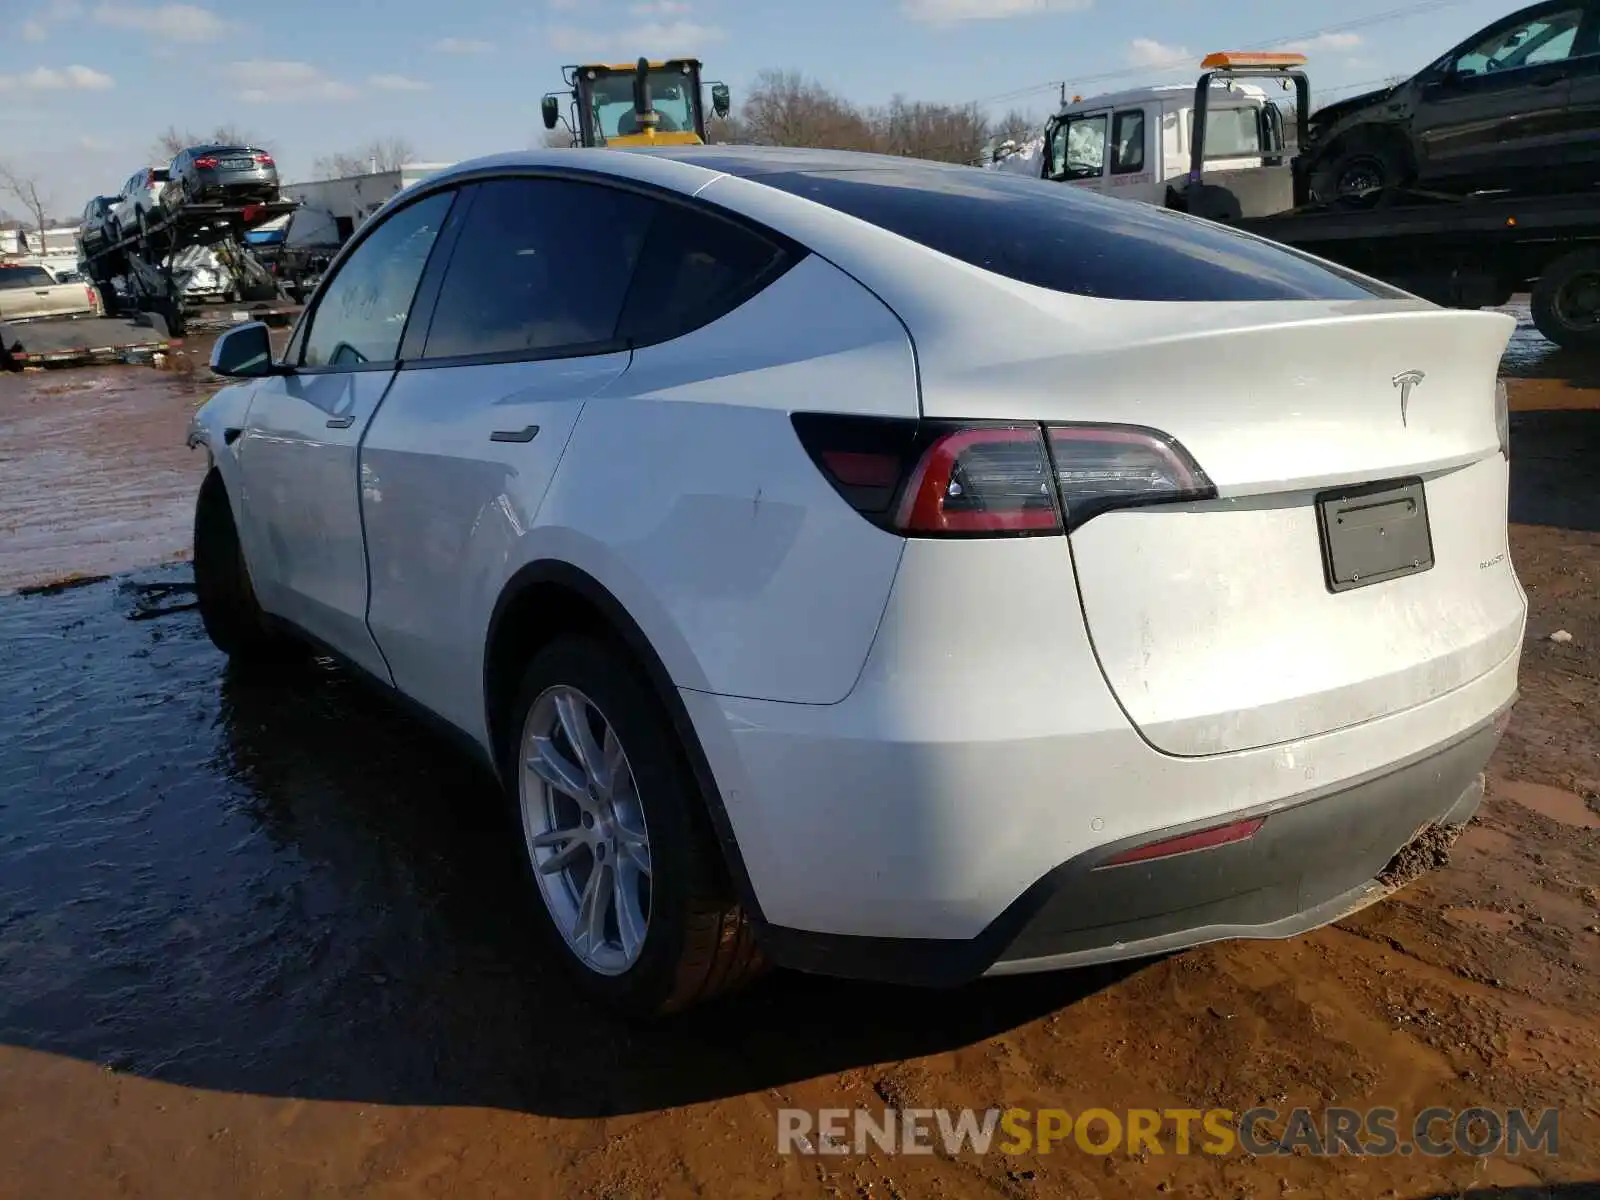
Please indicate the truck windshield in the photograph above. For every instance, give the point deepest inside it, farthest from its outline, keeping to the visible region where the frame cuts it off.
(669, 94)
(1233, 133)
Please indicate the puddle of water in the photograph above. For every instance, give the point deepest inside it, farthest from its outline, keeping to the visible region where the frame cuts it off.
(1568, 808)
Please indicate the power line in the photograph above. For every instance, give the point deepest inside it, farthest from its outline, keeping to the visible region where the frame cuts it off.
(1367, 22)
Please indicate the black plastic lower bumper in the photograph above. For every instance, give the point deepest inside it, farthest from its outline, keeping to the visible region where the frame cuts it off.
(1309, 863)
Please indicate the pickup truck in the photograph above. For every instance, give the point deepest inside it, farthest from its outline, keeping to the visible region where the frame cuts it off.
(30, 293)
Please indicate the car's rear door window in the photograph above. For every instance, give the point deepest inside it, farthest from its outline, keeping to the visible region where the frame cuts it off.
(1072, 240)
(542, 268)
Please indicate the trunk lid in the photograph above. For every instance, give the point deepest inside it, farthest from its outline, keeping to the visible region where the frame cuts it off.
(1225, 625)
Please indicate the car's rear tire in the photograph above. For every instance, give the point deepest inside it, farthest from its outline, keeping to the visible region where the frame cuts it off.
(1566, 301)
(233, 619)
(629, 887)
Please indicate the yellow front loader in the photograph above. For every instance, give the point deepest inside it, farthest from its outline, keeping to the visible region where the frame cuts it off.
(646, 104)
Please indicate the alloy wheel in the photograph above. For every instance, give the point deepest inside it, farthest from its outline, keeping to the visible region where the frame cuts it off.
(585, 829)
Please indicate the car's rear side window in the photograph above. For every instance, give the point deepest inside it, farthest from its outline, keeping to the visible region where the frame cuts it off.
(25, 277)
(1068, 240)
(695, 267)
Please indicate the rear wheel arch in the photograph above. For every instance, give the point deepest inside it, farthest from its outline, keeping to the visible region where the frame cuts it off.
(1383, 140)
(548, 599)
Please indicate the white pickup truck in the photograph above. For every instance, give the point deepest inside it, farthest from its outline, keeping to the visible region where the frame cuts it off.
(30, 293)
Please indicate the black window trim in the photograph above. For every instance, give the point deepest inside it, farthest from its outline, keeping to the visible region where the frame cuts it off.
(789, 254)
(296, 347)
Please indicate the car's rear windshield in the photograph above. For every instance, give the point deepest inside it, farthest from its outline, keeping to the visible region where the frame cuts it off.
(25, 277)
(1069, 240)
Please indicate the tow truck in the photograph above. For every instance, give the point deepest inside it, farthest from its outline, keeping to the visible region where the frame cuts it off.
(647, 103)
(1221, 151)
(154, 282)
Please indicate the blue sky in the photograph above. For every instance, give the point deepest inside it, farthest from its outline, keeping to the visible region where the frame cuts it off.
(85, 85)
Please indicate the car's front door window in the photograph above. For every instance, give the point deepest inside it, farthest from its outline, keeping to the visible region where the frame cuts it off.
(1545, 39)
(361, 315)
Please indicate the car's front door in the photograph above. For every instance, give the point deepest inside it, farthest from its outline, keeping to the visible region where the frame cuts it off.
(523, 332)
(1499, 106)
(299, 450)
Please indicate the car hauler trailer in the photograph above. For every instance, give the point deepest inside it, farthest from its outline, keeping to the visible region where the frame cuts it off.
(144, 262)
(1462, 251)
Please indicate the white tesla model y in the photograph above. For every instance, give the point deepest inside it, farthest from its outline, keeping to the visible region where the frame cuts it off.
(879, 567)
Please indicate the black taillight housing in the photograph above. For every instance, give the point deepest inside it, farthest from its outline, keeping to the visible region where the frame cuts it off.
(939, 478)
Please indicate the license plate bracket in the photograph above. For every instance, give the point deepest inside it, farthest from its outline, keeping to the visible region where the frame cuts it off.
(1373, 533)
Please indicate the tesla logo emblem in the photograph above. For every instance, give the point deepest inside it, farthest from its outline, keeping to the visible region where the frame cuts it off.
(1405, 381)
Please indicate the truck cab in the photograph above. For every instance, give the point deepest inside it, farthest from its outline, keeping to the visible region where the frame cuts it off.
(1136, 144)
(1222, 148)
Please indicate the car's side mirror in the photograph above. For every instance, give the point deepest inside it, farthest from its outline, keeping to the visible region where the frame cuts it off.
(244, 352)
(550, 106)
(721, 99)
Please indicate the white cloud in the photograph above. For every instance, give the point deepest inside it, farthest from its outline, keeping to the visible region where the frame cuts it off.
(947, 12)
(167, 22)
(654, 38)
(270, 81)
(1325, 43)
(1147, 52)
(396, 83)
(93, 145)
(659, 8)
(455, 45)
(50, 79)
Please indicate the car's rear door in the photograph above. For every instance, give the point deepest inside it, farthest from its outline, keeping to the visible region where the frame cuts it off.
(523, 332)
(298, 454)
(1500, 107)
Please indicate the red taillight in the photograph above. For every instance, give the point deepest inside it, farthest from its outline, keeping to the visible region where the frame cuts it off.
(94, 298)
(985, 479)
(206, 163)
(1205, 839)
(264, 159)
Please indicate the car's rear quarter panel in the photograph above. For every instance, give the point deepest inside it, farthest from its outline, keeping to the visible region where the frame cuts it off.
(686, 493)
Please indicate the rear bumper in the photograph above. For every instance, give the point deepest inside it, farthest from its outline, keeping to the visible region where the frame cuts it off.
(1311, 862)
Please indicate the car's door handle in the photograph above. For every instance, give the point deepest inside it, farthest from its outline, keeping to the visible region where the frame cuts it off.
(515, 435)
(341, 422)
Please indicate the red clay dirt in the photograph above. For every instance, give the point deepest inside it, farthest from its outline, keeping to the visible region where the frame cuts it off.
(1477, 986)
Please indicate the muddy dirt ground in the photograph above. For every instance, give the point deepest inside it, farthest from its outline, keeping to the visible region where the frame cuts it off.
(262, 938)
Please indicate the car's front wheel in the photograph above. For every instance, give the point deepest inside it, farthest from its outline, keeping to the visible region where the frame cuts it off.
(629, 885)
(233, 619)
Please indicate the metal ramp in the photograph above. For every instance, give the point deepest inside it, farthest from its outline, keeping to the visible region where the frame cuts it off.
(143, 260)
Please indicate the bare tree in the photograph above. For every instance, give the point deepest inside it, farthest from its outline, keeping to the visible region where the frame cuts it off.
(944, 132)
(1016, 126)
(786, 109)
(169, 142)
(378, 155)
(26, 191)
